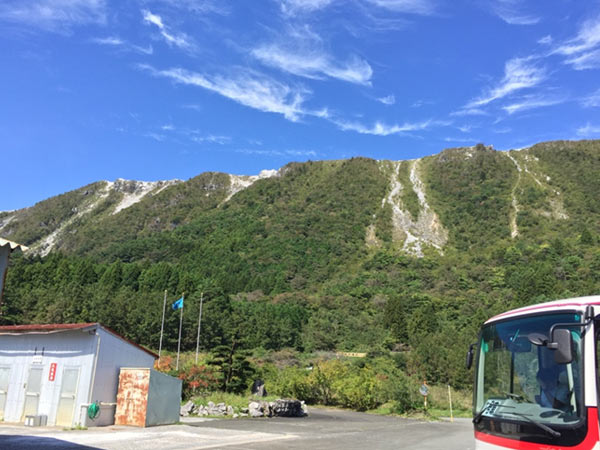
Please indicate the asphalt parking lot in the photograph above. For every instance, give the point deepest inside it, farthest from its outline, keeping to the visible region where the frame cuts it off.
(321, 429)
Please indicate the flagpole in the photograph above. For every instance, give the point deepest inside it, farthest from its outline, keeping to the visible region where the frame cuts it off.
(199, 322)
(179, 341)
(162, 326)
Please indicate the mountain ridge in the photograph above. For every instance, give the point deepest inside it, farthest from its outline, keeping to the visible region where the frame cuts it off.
(414, 221)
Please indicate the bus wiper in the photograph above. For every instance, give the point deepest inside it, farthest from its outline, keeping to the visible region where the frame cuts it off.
(546, 428)
(480, 414)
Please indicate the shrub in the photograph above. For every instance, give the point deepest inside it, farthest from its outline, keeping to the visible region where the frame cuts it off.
(196, 380)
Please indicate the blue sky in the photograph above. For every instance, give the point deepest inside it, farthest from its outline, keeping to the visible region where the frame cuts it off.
(149, 90)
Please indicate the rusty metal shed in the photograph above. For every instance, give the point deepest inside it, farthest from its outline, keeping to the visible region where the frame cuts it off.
(147, 398)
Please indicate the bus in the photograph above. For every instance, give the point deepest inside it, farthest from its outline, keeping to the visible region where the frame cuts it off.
(536, 372)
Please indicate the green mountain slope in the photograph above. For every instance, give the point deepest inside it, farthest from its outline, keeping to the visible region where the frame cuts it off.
(356, 255)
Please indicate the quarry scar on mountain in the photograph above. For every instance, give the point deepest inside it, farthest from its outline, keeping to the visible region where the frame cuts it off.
(424, 230)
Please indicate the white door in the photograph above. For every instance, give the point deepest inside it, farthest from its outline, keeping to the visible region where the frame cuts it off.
(4, 378)
(68, 394)
(33, 388)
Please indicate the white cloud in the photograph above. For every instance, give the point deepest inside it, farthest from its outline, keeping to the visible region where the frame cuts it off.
(168, 127)
(54, 15)
(587, 38)
(115, 41)
(546, 40)
(420, 103)
(469, 112)
(531, 102)
(583, 52)
(424, 7)
(592, 100)
(155, 136)
(293, 7)
(198, 6)
(465, 128)
(461, 140)
(180, 40)
(519, 73)
(245, 87)
(266, 152)
(511, 11)
(302, 55)
(387, 100)
(588, 130)
(211, 139)
(382, 129)
(589, 60)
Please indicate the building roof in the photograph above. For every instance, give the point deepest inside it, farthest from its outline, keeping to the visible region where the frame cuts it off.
(12, 245)
(60, 327)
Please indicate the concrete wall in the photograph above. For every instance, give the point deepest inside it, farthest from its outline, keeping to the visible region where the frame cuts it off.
(23, 351)
(164, 399)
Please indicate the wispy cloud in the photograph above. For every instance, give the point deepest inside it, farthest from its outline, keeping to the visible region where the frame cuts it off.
(245, 87)
(420, 103)
(519, 73)
(387, 100)
(294, 7)
(156, 136)
(504, 130)
(592, 100)
(583, 52)
(461, 140)
(198, 6)
(587, 60)
(302, 54)
(54, 15)
(114, 41)
(382, 129)
(180, 40)
(286, 153)
(589, 130)
(424, 7)
(211, 139)
(512, 12)
(469, 112)
(546, 40)
(532, 102)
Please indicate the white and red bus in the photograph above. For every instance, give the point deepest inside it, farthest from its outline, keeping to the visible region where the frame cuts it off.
(536, 380)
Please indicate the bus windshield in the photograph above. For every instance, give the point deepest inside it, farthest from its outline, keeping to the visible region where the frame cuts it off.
(520, 381)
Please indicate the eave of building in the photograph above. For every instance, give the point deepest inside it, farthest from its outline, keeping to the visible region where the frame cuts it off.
(62, 327)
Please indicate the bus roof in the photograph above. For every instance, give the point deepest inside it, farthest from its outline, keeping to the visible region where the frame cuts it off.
(579, 303)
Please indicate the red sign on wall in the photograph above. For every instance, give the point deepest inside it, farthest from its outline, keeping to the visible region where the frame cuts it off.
(52, 373)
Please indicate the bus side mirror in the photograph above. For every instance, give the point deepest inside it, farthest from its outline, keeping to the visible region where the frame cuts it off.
(470, 356)
(562, 346)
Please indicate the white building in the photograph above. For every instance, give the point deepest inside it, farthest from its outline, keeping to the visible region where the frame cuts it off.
(57, 371)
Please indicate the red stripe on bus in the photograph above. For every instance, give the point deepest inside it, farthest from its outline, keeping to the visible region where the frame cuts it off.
(588, 443)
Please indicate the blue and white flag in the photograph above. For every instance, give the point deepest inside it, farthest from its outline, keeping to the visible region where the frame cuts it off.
(178, 304)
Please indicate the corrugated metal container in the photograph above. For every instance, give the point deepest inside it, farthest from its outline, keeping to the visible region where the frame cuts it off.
(147, 397)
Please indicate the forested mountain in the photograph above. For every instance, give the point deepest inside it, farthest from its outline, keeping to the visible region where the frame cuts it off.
(356, 255)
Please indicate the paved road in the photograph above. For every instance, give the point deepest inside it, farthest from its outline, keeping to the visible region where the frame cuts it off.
(322, 429)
